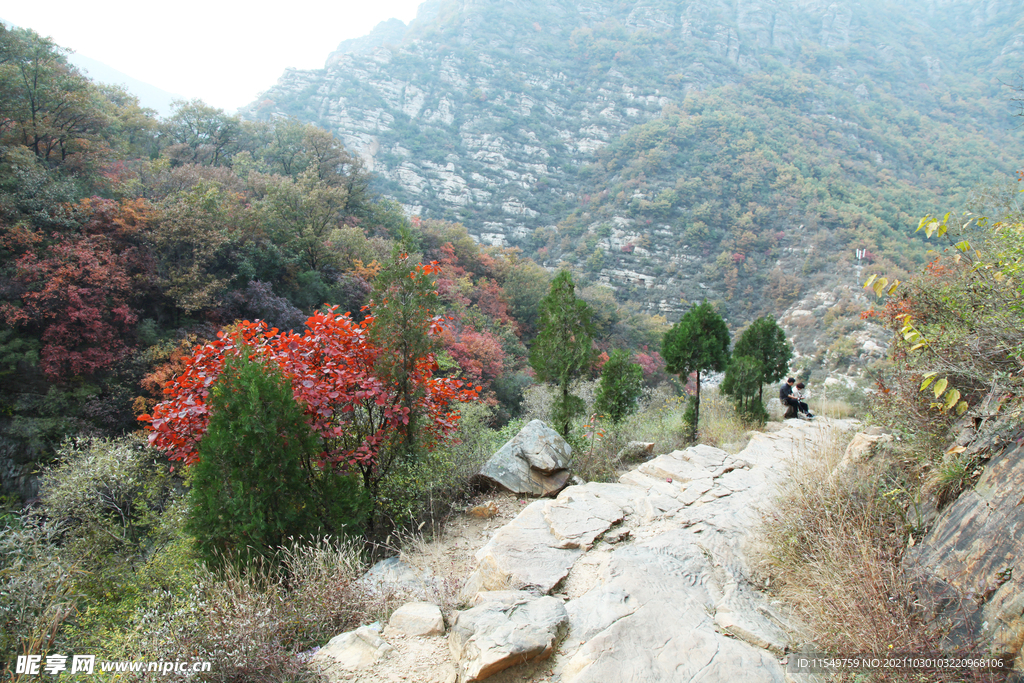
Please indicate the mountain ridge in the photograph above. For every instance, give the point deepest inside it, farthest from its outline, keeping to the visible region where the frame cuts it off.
(506, 118)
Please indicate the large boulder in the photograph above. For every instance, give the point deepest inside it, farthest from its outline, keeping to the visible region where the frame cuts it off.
(969, 562)
(511, 629)
(535, 462)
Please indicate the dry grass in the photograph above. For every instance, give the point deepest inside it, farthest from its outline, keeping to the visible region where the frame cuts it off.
(720, 426)
(252, 623)
(833, 543)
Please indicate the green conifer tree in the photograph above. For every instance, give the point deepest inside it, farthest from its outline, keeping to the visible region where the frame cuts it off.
(564, 347)
(697, 343)
(765, 342)
(255, 484)
(621, 386)
(743, 383)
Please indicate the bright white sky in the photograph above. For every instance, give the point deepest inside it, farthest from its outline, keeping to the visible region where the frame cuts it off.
(219, 51)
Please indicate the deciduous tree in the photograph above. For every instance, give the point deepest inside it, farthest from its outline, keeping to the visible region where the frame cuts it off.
(362, 416)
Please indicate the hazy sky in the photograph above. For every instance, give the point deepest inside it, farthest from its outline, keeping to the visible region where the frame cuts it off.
(222, 52)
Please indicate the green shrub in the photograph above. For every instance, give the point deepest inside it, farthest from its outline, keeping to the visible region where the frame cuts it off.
(106, 495)
(425, 487)
(256, 483)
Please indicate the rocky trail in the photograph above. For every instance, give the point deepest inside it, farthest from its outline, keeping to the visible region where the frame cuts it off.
(648, 579)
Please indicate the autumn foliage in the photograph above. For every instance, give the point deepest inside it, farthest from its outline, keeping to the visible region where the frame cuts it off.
(331, 368)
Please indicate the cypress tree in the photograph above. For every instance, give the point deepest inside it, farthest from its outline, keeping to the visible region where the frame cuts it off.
(250, 488)
(697, 343)
(564, 347)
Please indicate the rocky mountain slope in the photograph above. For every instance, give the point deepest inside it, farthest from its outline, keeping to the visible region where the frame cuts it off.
(676, 150)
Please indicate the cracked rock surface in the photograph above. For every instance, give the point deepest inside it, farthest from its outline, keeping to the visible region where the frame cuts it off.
(673, 599)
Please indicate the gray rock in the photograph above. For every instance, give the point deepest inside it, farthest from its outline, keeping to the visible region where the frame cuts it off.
(677, 602)
(534, 462)
(970, 560)
(352, 650)
(495, 635)
(417, 619)
(522, 554)
(651, 620)
(392, 576)
(635, 450)
(578, 517)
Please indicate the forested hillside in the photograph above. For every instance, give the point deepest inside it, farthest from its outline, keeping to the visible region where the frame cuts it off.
(241, 355)
(677, 150)
(127, 242)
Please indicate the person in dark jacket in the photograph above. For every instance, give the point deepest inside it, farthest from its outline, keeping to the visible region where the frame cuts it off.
(791, 401)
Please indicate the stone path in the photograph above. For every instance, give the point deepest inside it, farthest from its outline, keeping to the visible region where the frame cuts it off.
(671, 599)
(644, 580)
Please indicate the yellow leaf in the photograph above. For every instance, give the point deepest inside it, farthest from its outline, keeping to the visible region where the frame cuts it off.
(956, 449)
(892, 288)
(930, 230)
(924, 384)
(879, 285)
(924, 220)
(871, 279)
(951, 398)
(963, 246)
(919, 345)
(961, 407)
(940, 387)
(930, 374)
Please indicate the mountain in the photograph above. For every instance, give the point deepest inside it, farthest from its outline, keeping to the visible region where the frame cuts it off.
(149, 95)
(738, 150)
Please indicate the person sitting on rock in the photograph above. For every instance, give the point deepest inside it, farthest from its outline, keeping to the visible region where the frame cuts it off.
(799, 395)
(791, 404)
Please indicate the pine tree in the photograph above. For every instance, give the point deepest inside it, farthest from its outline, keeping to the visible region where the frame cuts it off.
(765, 342)
(697, 343)
(621, 386)
(251, 487)
(564, 347)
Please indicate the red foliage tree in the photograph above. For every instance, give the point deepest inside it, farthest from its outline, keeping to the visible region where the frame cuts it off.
(76, 292)
(479, 354)
(77, 295)
(332, 371)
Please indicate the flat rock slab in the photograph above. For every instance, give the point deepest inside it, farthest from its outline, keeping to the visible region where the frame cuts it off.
(498, 634)
(352, 650)
(522, 554)
(394, 577)
(672, 599)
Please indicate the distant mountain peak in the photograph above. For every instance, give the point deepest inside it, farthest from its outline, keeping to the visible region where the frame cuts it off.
(390, 32)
